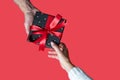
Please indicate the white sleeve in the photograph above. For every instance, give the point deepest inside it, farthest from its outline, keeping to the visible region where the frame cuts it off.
(77, 74)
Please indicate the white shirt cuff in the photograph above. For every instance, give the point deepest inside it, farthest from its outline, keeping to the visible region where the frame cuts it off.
(77, 74)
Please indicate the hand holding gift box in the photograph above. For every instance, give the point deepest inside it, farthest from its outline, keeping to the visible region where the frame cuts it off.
(46, 28)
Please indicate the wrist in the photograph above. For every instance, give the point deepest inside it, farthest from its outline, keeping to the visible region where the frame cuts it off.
(68, 66)
(24, 5)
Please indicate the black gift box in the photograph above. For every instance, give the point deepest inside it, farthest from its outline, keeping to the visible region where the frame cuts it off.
(40, 20)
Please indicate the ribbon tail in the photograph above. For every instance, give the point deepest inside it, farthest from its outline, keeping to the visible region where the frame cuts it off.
(43, 42)
(41, 48)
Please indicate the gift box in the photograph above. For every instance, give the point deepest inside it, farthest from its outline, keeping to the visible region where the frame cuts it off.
(46, 28)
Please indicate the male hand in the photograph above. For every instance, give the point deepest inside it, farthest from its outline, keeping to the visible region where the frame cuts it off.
(29, 11)
(29, 16)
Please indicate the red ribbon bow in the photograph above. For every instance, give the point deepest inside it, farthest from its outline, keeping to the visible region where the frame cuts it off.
(50, 28)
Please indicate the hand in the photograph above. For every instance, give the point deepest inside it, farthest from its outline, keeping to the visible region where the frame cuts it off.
(29, 16)
(61, 54)
(29, 11)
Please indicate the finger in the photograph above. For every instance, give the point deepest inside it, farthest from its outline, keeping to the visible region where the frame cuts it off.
(52, 52)
(62, 45)
(51, 49)
(26, 28)
(55, 47)
(52, 56)
(61, 49)
(28, 21)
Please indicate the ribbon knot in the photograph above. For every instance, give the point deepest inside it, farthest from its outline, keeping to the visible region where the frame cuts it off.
(48, 31)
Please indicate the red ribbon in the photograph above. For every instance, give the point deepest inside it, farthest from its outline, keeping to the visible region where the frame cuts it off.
(50, 28)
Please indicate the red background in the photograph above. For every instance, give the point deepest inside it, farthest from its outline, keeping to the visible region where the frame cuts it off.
(92, 36)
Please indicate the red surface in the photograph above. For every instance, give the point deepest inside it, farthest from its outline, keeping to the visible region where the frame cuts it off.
(92, 36)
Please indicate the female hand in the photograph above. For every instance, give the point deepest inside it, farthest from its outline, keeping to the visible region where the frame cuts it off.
(61, 54)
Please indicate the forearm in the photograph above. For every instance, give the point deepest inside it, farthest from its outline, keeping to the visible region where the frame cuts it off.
(24, 5)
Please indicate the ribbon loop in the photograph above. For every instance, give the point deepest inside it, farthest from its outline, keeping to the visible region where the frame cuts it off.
(55, 21)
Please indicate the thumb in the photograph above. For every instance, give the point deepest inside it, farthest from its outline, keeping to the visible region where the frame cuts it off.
(27, 28)
(55, 47)
(28, 21)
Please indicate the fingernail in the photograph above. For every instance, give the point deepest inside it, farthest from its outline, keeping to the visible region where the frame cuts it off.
(52, 43)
